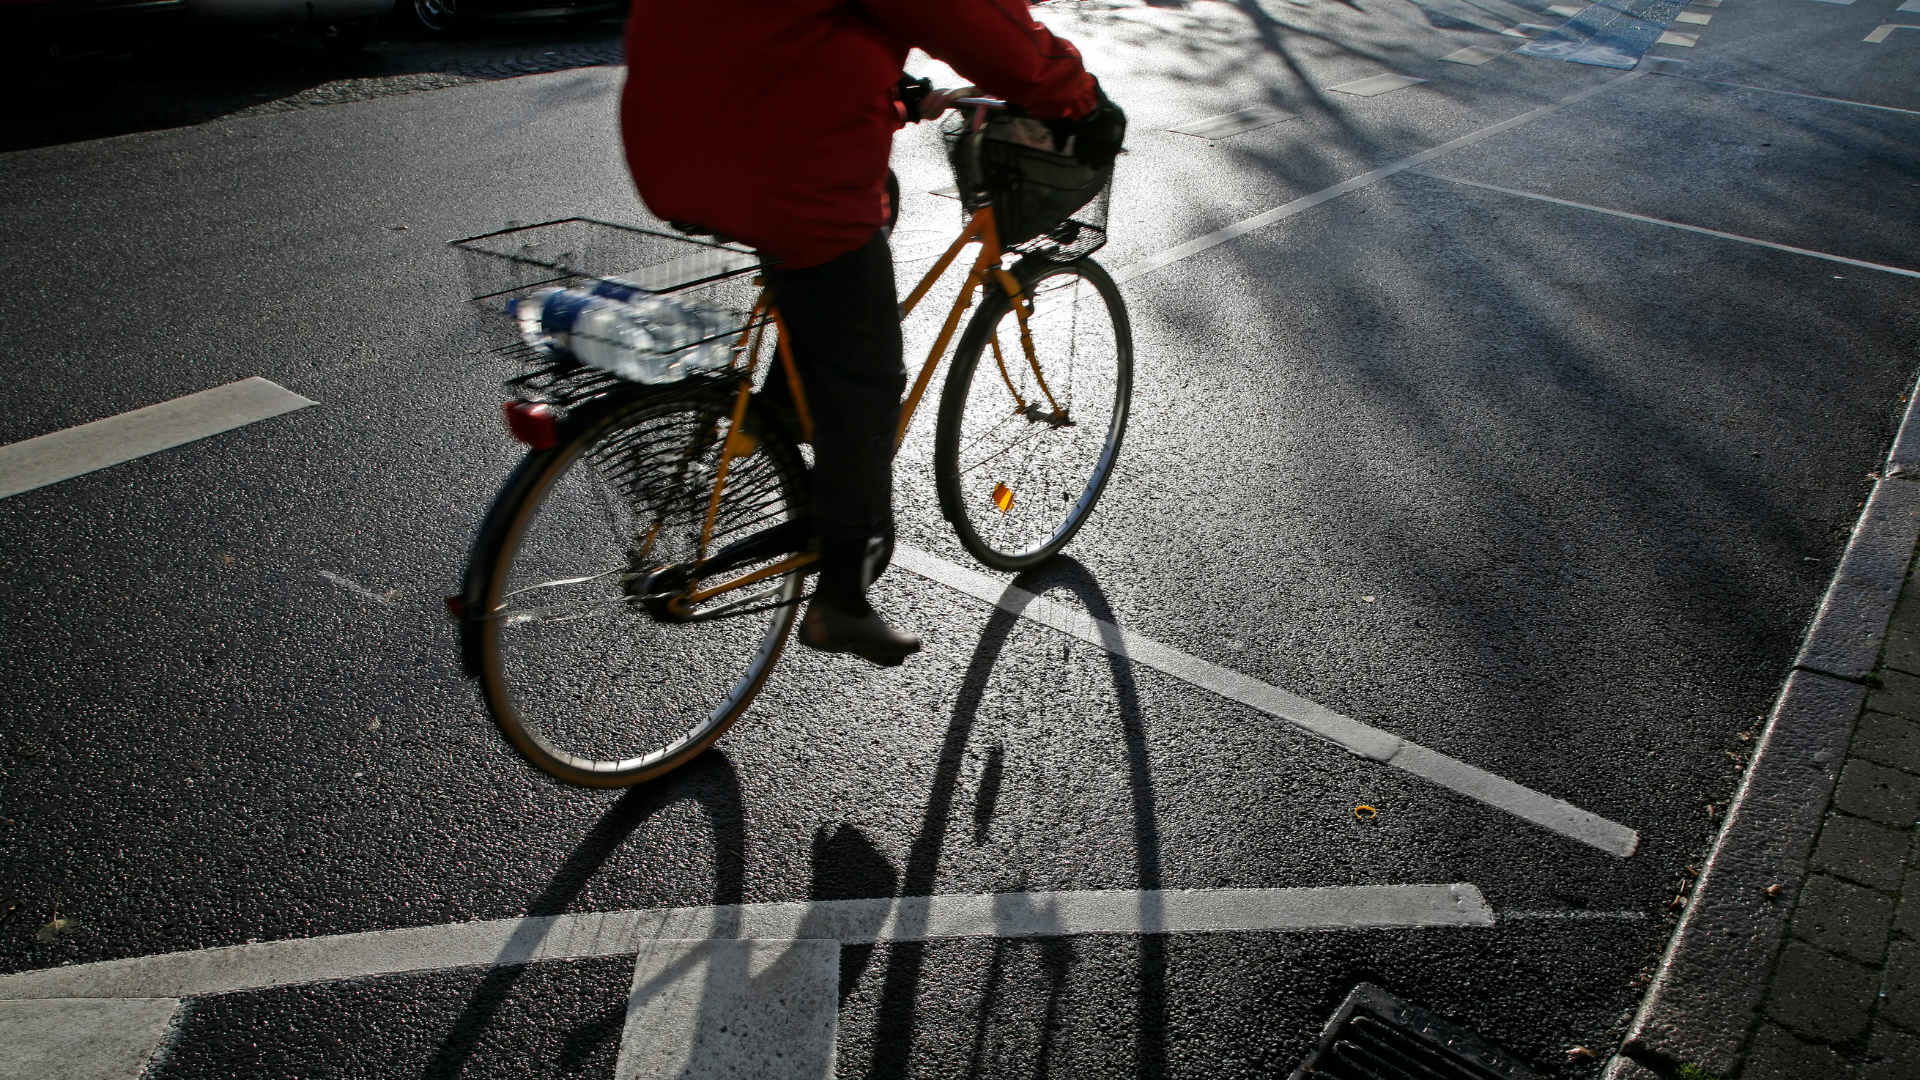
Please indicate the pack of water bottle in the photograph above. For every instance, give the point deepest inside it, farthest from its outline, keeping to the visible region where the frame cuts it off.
(622, 328)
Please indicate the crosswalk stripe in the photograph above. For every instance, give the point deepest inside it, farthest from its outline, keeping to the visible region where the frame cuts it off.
(1310, 716)
(76, 451)
(850, 922)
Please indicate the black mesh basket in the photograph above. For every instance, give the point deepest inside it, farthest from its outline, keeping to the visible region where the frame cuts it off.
(578, 253)
(1046, 205)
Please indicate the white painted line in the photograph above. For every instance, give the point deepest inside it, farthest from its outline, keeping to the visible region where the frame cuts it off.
(1567, 11)
(852, 922)
(1375, 85)
(354, 587)
(76, 451)
(1834, 1)
(1604, 916)
(1675, 37)
(1881, 32)
(1306, 202)
(1693, 18)
(768, 1010)
(1910, 5)
(1233, 123)
(83, 1039)
(1526, 30)
(1810, 97)
(1474, 55)
(1677, 225)
(1316, 719)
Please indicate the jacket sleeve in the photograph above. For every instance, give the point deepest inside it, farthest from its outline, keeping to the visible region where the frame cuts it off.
(998, 46)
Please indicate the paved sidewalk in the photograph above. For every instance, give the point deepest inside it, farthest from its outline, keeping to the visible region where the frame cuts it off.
(1799, 952)
(1844, 997)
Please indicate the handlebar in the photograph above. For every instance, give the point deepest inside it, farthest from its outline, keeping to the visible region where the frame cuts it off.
(979, 105)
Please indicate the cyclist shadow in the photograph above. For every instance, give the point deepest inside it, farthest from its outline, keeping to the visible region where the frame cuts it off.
(893, 1040)
(710, 782)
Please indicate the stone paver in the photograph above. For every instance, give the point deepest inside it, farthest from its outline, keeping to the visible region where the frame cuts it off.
(1861, 851)
(1885, 795)
(1843, 918)
(1821, 995)
(1888, 740)
(1778, 1054)
(1902, 1004)
(1892, 1054)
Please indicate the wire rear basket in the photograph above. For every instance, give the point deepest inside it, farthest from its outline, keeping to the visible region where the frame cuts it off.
(509, 266)
(1046, 205)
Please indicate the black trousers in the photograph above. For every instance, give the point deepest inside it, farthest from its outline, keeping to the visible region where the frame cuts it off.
(844, 320)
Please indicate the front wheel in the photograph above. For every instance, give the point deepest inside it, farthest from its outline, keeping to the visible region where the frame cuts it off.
(587, 673)
(1032, 416)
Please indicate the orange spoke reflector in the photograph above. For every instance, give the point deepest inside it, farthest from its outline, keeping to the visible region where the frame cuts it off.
(1002, 497)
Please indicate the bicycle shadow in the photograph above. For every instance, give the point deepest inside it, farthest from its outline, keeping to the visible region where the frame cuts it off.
(709, 781)
(894, 1036)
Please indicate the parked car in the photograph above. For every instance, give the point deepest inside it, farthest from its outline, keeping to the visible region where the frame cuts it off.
(86, 24)
(435, 17)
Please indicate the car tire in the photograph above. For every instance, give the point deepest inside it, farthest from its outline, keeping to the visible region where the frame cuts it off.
(427, 18)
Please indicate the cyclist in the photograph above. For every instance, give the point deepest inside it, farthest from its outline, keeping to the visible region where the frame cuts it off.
(770, 122)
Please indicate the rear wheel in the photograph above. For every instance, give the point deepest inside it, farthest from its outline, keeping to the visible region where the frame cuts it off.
(588, 678)
(1026, 442)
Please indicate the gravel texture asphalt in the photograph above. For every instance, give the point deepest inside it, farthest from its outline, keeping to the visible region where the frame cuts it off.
(1552, 492)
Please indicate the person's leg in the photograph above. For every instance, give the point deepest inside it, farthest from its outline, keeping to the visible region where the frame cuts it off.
(843, 319)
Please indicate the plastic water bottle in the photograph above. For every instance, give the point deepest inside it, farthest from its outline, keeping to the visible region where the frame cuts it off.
(619, 327)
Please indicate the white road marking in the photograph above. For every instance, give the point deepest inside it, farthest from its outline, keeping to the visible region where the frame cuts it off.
(76, 451)
(1694, 18)
(1910, 5)
(1568, 11)
(1843, 2)
(1676, 225)
(852, 922)
(353, 586)
(1474, 55)
(1375, 85)
(1306, 202)
(1343, 731)
(1810, 97)
(769, 1010)
(1526, 30)
(1607, 916)
(1881, 32)
(1233, 123)
(1675, 37)
(83, 1039)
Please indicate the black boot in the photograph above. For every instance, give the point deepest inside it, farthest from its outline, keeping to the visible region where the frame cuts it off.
(840, 619)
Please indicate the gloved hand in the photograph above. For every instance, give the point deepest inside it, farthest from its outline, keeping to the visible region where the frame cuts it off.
(1098, 136)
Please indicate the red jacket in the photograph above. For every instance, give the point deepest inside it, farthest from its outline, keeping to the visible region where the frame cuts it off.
(771, 121)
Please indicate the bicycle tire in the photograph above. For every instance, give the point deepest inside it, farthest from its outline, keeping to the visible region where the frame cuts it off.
(1000, 432)
(550, 583)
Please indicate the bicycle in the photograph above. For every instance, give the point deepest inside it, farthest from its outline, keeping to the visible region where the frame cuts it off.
(646, 558)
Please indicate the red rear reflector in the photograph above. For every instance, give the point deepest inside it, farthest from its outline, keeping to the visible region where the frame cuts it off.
(532, 422)
(457, 606)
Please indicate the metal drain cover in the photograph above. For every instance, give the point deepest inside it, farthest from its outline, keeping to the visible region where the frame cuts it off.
(1376, 1036)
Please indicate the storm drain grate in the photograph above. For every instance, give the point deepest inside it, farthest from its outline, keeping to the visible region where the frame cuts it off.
(1376, 1036)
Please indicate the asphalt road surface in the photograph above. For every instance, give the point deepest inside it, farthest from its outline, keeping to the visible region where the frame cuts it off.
(1549, 491)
